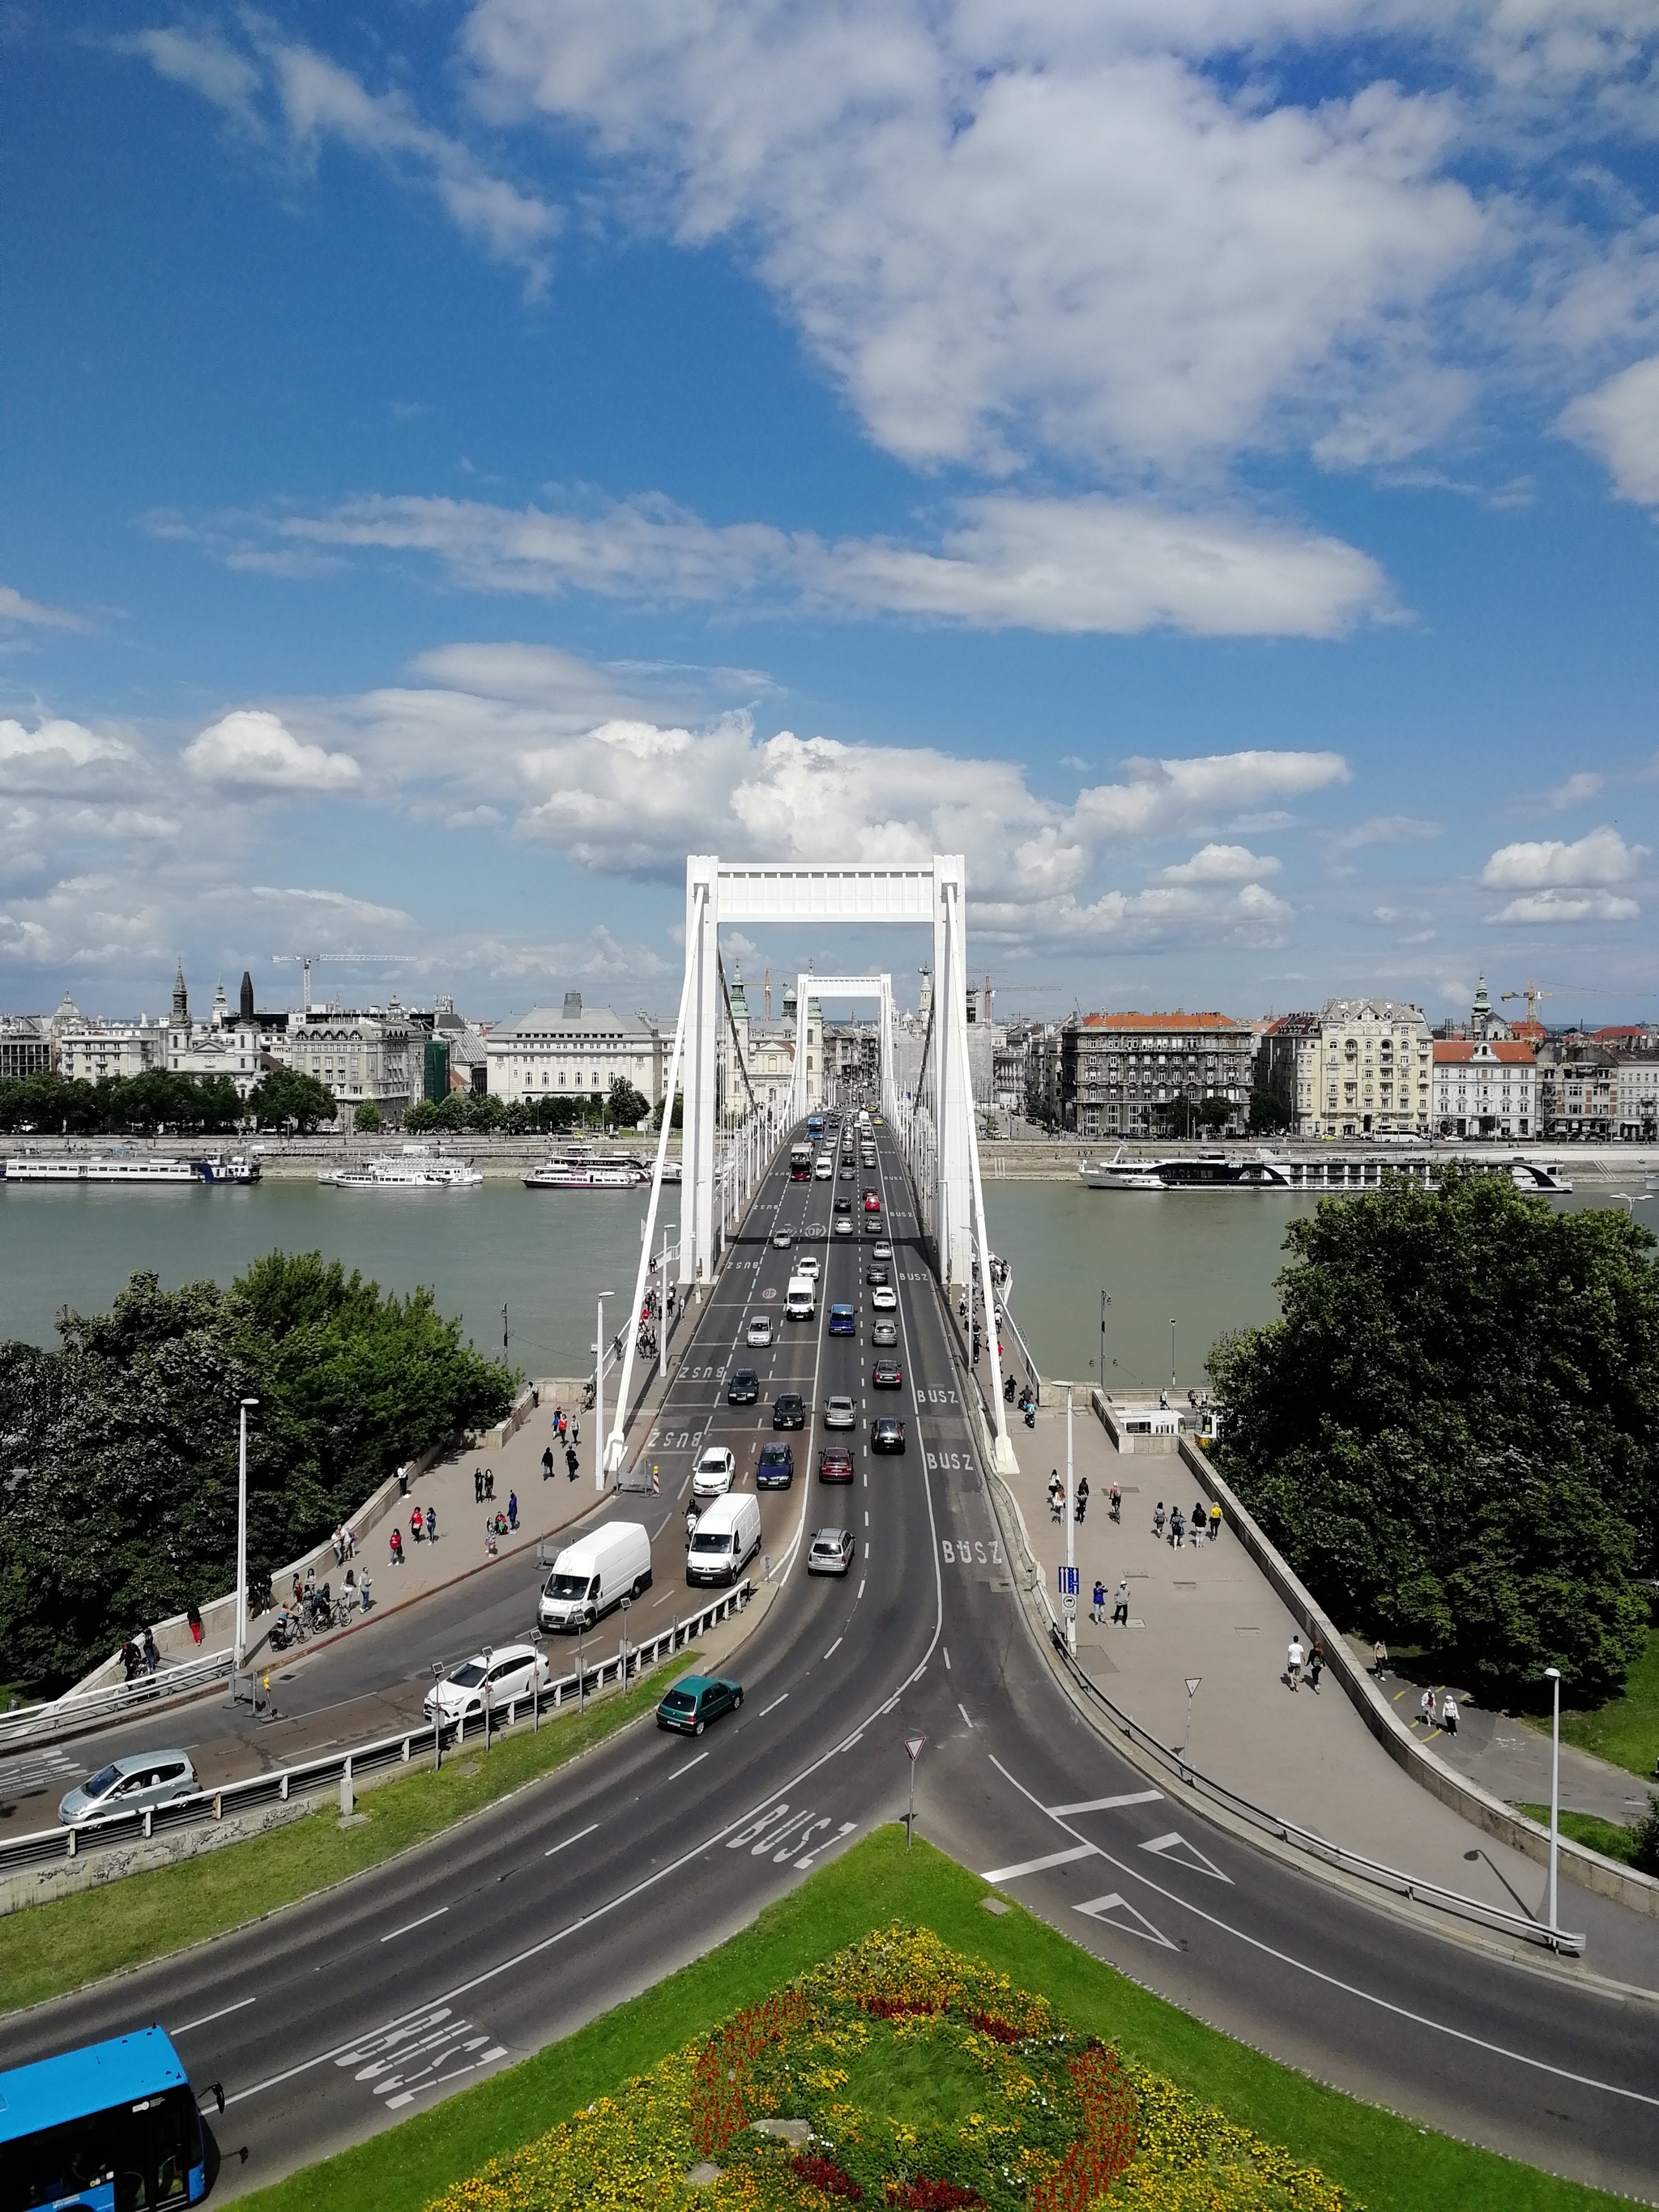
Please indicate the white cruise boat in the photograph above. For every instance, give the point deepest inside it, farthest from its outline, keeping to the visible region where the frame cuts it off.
(126, 1169)
(574, 1172)
(413, 1169)
(1186, 1171)
(1540, 1174)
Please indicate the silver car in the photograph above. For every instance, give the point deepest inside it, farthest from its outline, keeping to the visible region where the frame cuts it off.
(759, 1331)
(831, 1552)
(142, 1779)
(839, 1413)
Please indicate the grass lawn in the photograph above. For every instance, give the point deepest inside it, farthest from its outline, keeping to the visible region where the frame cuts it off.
(1610, 1838)
(1388, 2163)
(48, 1950)
(1625, 1731)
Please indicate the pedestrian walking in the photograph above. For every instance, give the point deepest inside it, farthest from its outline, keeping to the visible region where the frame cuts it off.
(1448, 1714)
(396, 1547)
(1082, 1499)
(362, 1592)
(1178, 1530)
(1215, 1522)
(194, 1615)
(489, 1484)
(129, 1659)
(431, 1524)
(337, 1542)
(416, 1524)
(350, 1541)
(513, 1510)
(1157, 1520)
(571, 1462)
(558, 1420)
(1426, 1708)
(152, 1656)
(1379, 1659)
(1315, 1664)
(1056, 1499)
(547, 1464)
(576, 1432)
(1293, 1663)
(1121, 1605)
(1115, 1502)
(478, 1486)
(1200, 1519)
(1097, 1603)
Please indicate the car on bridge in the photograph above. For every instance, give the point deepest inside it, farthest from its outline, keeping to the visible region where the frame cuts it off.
(843, 1206)
(759, 1331)
(887, 1375)
(886, 1434)
(744, 1389)
(843, 1321)
(882, 1252)
(875, 1273)
(835, 1464)
(788, 1410)
(840, 1413)
(131, 1784)
(884, 1300)
(846, 1175)
(777, 1467)
(872, 1201)
(843, 1224)
(715, 1470)
(807, 1264)
(782, 1239)
(883, 1330)
(510, 1671)
(696, 1699)
(831, 1551)
(824, 1167)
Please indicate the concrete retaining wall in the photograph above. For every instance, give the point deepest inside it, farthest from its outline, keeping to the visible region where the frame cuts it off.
(1588, 1868)
(68, 1877)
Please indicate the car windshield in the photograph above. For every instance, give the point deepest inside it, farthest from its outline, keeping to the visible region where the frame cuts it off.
(97, 1784)
(470, 1676)
(713, 1463)
(721, 1542)
(680, 1701)
(567, 1586)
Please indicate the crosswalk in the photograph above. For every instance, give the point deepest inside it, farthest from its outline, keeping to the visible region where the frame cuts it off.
(35, 1771)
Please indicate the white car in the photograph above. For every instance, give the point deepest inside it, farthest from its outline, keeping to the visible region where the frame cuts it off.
(506, 1673)
(831, 1552)
(714, 1472)
(883, 1251)
(885, 1298)
(843, 1224)
(759, 1331)
(782, 1239)
(839, 1413)
(825, 1168)
(808, 1264)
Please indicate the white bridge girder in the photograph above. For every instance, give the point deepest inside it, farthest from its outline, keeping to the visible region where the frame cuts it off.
(936, 1128)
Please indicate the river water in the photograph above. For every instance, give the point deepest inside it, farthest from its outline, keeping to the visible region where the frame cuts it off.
(1207, 1260)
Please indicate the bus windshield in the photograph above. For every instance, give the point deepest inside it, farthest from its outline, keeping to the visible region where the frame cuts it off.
(113, 2126)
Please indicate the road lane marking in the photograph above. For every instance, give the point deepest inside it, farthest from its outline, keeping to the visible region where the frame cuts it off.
(1335, 1982)
(946, 1650)
(772, 1708)
(1100, 1908)
(569, 1840)
(962, 1710)
(1169, 1846)
(861, 1582)
(1039, 1865)
(1107, 1804)
(223, 2013)
(834, 1647)
(687, 1767)
(410, 1926)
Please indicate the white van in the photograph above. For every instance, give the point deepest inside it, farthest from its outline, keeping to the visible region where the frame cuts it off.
(800, 1300)
(595, 1573)
(724, 1540)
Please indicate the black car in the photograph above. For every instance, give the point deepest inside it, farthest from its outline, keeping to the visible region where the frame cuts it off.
(843, 1206)
(888, 1374)
(875, 1274)
(776, 1470)
(788, 1410)
(744, 1389)
(886, 1435)
(696, 1700)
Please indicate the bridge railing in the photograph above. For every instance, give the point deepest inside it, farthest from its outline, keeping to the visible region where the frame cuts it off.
(309, 1778)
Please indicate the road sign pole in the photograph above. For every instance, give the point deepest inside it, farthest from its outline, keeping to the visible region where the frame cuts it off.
(912, 1747)
(1192, 1681)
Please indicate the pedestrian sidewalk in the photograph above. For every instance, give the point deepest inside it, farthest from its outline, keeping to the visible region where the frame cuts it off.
(1206, 1613)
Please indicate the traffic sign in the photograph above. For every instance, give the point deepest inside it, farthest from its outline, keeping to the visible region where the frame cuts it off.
(1192, 1681)
(1068, 1577)
(913, 1744)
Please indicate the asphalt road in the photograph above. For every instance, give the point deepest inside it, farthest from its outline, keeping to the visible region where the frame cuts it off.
(340, 2016)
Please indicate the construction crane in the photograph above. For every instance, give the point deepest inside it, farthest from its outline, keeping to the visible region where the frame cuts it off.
(1532, 994)
(307, 961)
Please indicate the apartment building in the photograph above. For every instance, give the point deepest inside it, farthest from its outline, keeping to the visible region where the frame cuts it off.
(1376, 1069)
(576, 1049)
(1150, 1075)
(1484, 1087)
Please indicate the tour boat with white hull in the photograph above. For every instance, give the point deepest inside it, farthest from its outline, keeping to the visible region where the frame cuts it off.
(414, 1169)
(1324, 1169)
(574, 1173)
(127, 1169)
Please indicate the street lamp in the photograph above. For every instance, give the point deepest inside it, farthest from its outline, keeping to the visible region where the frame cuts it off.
(598, 1393)
(1105, 1301)
(1552, 1676)
(239, 1641)
(1172, 1352)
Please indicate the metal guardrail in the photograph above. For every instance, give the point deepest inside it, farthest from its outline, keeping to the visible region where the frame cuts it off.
(24, 1725)
(1292, 1832)
(59, 1846)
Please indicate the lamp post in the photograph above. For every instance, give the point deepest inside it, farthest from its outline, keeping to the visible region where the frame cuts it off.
(1071, 1522)
(1172, 1352)
(1105, 1301)
(239, 1640)
(1552, 1676)
(598, 1393)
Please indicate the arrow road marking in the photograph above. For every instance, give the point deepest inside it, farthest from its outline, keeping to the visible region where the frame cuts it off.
(1195, 1863)
(1101, 1908)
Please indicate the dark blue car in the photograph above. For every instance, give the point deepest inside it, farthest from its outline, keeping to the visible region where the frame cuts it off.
(843, 1321)
(776, 1470)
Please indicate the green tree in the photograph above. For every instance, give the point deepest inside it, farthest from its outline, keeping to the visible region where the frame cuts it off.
(367, 1119)
(626, 1106)
(1453, 1431)
(286, 1098)
(1214, 1114)
(1268, 1117)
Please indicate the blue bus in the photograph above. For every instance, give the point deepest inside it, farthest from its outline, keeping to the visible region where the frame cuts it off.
(815, 1125)
(112, 2127)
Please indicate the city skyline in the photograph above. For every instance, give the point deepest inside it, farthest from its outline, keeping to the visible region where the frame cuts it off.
(460, 465)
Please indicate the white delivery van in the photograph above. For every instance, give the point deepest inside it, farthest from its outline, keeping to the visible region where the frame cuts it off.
(724, 1540)
(800, 1299)
(595, 1573)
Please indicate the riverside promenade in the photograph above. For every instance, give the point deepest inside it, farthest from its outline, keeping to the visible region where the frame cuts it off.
(1206, 1613)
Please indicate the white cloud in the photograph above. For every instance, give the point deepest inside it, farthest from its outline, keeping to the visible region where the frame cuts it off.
(254, 751)
(1619, 424)
(1575, 790)
(1165, 797)
(1220, 863)
(1386, 829)
(1599, 857)
(202, 61)
(1066, 565)
(1553, 906)
(61, 756)
(15, 608)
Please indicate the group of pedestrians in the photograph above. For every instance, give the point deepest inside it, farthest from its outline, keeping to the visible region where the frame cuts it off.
(1445, 1720)
(1205, 1521)
(1120, 1604)
(141, 1657)
(1298, 1658)
(568, 1435)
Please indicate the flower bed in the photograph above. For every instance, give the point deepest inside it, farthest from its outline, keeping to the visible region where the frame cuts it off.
(926, 2083)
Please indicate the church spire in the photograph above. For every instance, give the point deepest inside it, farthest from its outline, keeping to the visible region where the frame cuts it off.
(180, 998)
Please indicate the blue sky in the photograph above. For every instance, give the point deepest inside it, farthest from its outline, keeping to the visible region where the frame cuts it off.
(1201, 462)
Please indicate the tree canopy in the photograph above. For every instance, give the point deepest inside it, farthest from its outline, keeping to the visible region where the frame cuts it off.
(139, 1105)
(120, 1448)
(286, 1098)
(1451, 1432)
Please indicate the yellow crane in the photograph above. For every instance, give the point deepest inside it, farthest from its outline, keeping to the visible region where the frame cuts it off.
(307, 961)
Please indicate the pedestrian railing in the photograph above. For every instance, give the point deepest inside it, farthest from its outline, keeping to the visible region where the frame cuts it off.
(26, 1725)
(1292, 1832)
(310, 1778)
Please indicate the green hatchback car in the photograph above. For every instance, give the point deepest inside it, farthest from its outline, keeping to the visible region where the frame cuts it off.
(696, 1699)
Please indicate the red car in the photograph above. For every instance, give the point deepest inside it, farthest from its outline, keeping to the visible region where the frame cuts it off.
(872, 1201)
(835, 1464)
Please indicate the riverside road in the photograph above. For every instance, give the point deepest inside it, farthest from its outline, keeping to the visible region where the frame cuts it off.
(337, 2016)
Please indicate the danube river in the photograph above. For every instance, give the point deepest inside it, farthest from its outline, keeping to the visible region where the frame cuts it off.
(1205, 1260)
